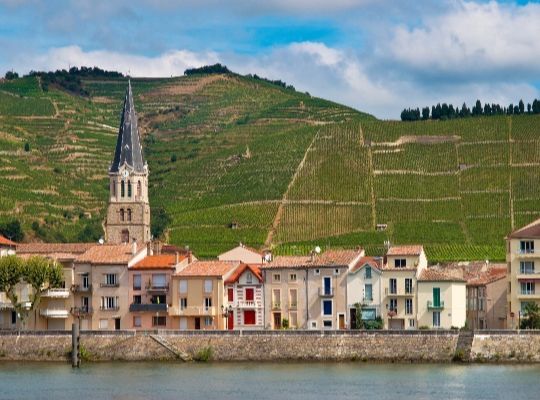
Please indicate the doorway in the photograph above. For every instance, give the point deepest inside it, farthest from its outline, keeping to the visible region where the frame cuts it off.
(197, 323)
(353, 318)
(277, 320)
(117, 324)
(341, 321)
(230, 321)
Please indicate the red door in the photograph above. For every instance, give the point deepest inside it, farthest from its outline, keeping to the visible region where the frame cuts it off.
(249, 294)
(230, 321)
(249, 317)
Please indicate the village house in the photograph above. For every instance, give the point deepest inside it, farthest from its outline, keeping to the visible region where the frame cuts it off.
(364, 288)
(243, 254)
(199, 300)
(7, 247)
(308, 292)
(245, 298)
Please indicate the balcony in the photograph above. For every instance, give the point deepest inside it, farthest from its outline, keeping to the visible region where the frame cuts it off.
(81, 289)
(157, 289)
(249, 304)
(59, 293)
(193, 311)
(528, 295)
(367, 300)
(79, 311)
(115, 308)
(54, 313)
(528, 275)
(148, 307)
(530, 253)
(293, 305)
(276, 305)
(326, 292)
(110, 285)
(431, 305)
(399, 293)
(6, 305)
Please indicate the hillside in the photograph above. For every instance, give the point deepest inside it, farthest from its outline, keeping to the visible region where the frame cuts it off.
(237, 159)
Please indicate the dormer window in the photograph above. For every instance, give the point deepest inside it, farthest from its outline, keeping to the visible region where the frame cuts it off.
(249, 277)
(400, 263)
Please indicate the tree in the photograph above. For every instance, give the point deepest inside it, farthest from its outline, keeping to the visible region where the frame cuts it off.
(531, 318)
(521, 106)
(425, 113)
(359, 322)
(12, 230)
(10, 75)
(38, 272)
(160, 221)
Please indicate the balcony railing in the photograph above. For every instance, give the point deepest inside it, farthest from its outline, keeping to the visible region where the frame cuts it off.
(81, 289)
(293, 305)
(58, 293)
(276, 305)
(81, 310)
(193, 311)
(114, 308)
(159, 288)
(406, 293)
(326, 292)
(112, 285)
(54, 313)
(432, 305)
(249, 304)
(148, 307)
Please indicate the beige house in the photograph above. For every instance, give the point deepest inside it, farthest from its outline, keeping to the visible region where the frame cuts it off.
(310, 292)
(523, 258)
(400, 273)
(7, 247)
(364, 287)
(245, 298)
(441, 296)
(199, 300)
(243, 254)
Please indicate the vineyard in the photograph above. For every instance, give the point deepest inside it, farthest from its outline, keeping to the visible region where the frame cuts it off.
(234, 159)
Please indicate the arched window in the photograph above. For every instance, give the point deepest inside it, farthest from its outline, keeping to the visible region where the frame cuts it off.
(122, 214)
(125, 236)
(122, 189)
(113, 188)
(139, 189)
(129, 188)
(129, 214)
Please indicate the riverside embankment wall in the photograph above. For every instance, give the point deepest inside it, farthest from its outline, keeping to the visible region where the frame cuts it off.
(381, 346)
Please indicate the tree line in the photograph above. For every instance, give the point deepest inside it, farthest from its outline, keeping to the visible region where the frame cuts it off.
(448, 111)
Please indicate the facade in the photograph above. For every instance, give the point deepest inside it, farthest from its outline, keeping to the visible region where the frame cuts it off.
(364, 287)
(128, 214)
(243, 254)
(7, 247)
(199, 300)
(245, 298)
(310, 292)
(400, 273)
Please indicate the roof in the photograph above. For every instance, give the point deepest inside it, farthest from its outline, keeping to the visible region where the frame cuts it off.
(66, 249)
(243, 268)
(128, 144)
(107, 254)
(208, 268)
(479, 273)
(409, 250)
(6, 242)
(373, 262)
(162, 261)
(329, 258)
(441, 274)
(243, 247)
(531, 230)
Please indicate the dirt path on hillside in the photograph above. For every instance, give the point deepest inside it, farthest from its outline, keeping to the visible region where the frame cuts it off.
(187, 87)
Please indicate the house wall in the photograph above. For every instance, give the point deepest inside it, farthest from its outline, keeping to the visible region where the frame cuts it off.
(400, 276)
(356, 289)
(338, 276)
(496, 313)
(99, 291)
(239, 304)
(241, 254)
(453, 313)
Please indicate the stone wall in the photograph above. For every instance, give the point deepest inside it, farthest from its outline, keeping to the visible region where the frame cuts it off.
(507, 346)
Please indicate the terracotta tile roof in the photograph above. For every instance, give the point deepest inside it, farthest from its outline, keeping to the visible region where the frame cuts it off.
(478, 273)
(373, 262)
(6, 242)
(531, 230)
(241, 269)
(162, 261)
(107, 254)
(329, 258)
(410, 250)
(441, 274)
(49, 248)
(208, 268)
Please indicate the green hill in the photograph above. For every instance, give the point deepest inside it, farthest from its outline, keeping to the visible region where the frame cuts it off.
(236, 159)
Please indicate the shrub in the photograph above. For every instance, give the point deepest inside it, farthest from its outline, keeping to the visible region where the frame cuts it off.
(285, 323)
(204, 355)
(27, 147)
(459, 356)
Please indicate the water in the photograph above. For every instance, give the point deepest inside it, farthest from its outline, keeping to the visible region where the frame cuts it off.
(148, 381)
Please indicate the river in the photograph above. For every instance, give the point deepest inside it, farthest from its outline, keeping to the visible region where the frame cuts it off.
(327, 381)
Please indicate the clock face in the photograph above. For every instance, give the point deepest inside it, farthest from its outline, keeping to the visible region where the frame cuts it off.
(125, 174)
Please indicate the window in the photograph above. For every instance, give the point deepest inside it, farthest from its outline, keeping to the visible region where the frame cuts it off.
(249, 277)
(526, 267)
(122, 215)
(368, 292)
(250, 294)
(436, 297)
(182, 286)
(292, 277)
(13, 317)
(400, 263)
(393, 305)
(412, 323)
(103, 323)
(408, 306)
(159, 320)
(85, 281)
(158, 299)
(317, 272)
(293, 320)
(137, 323)
(527, 287)
(336, 271)
(208, 321)
(276, 298)
(159, 281)
(129, 214)
(137, 299)
(314, 324)
(327, 286)
(207, 286)
(327, 324)
(113, 188)
(137, 282)
(230, 294)
(183, 303)
(408, 285)
(129, 188)
(276, 277)
(393, 286)
(111, 280)
(125, 236)
(139, 189)
(436, 319)
(367, 273)
(293, 298)
(122, 189)
(526, 246)
(207, 303)
(327, 307)
(109, 303)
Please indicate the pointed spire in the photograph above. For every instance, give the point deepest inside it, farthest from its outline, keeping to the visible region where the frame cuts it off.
(128, 145)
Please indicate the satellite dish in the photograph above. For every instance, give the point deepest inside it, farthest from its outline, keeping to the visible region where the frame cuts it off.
(317, 250)
(268, 257)
(101, 241)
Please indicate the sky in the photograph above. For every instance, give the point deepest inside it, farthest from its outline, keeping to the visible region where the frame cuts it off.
(378, 56)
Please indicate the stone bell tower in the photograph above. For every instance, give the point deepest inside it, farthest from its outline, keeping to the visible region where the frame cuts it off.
(128, 214)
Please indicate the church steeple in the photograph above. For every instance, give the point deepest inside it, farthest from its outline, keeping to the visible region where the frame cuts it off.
(128, 215)
(128, 144)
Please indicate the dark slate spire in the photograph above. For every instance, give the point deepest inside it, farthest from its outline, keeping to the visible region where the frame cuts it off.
(128, 145)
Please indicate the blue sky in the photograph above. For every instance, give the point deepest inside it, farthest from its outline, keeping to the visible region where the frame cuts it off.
(378, 56)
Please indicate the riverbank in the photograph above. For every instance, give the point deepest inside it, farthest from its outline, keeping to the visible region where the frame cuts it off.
(377, 346)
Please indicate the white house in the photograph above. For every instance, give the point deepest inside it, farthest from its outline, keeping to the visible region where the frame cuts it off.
(364, 286)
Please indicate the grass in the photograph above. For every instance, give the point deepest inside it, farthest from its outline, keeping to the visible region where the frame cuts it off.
(242, 146)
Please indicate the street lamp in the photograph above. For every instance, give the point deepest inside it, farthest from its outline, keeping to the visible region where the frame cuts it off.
(226, 312)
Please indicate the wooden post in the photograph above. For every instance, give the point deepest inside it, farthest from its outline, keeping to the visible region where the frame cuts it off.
(75, 356)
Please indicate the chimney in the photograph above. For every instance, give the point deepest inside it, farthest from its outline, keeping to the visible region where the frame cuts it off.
(149, 249)
(134, 247)
(176, 258)
(190, 257)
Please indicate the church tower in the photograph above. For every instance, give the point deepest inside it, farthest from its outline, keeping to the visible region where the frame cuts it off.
(128, 215)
